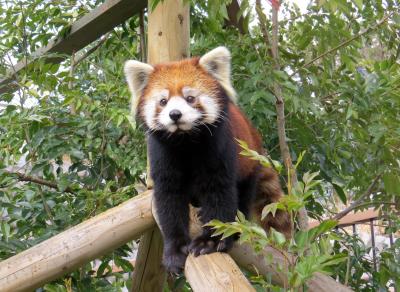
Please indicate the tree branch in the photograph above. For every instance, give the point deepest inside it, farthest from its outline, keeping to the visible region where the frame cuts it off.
(344, 44)
(70, 82)
(360, 201)
(233, 20)
(280, 110)
(263, 27)
(40, 181)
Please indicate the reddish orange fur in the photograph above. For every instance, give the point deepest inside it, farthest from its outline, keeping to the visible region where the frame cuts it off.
(175, 75)
(269, 189)
(243, 130)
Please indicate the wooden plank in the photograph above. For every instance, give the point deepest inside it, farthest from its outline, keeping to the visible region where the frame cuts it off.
(76, 246)
(352, 218)
(215, 272)
(83, 32)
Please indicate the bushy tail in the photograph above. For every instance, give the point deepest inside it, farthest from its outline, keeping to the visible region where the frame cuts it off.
(269, 191)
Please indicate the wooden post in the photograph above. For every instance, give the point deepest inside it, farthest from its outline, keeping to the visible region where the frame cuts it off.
(149, 274)
(168, 32)
(76, 246)
(168, 40)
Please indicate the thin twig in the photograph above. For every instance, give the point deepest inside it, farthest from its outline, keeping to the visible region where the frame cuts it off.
(263, 26)
(40, 181)
(70, 82)
(360, 201)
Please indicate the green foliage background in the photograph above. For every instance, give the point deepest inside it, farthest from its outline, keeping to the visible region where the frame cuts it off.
(341, 108)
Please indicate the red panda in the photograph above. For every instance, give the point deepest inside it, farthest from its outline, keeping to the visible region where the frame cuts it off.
(188, 109)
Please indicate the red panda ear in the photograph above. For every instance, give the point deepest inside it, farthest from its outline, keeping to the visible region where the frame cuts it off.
(218, 64)
(137, 76)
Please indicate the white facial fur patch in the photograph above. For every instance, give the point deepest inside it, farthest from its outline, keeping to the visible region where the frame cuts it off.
(218, 64)
(150, 107)
(209, 104)
(211, 108)
(189, 115)
(149, 113)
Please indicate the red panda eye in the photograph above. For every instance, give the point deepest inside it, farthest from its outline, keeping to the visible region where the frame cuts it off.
(190, 99)
(163, 102)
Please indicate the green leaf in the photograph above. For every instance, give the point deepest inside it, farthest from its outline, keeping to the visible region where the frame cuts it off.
(5, 230)
(392, 183)
(323, 227)
(340, 192)
(277, 237)
(270, 208)
(335, 259)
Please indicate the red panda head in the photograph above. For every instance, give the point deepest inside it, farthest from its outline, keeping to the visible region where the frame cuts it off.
(180, 96)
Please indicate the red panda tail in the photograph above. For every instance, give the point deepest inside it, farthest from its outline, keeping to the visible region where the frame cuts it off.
(269, 191)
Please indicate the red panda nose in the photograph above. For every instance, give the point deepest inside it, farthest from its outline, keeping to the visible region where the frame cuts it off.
(175, 115)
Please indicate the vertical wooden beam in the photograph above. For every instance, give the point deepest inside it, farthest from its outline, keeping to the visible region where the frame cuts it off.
(149, 274)
(168, 40)
(168, 32)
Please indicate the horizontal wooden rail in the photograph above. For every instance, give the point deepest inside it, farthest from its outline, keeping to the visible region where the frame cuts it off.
(95, 237)
(354, 217)
(76, 246)
(83, 32)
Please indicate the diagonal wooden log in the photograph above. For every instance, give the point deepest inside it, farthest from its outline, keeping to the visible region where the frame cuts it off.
(83, 32)
(271, 263)
(76, 246)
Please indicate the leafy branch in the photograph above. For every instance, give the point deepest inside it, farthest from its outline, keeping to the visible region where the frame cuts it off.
(360, 201)
(343, 44)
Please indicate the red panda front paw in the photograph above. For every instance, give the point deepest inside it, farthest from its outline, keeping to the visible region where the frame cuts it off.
(205, 244)
(174, 260)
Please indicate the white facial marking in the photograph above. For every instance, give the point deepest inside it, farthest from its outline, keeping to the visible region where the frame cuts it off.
(186, 90)
(188, 119)
(149, 112)
(211, 108)
(150, 107)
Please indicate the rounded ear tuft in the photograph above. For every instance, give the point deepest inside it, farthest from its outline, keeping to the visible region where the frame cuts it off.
(218, 64)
